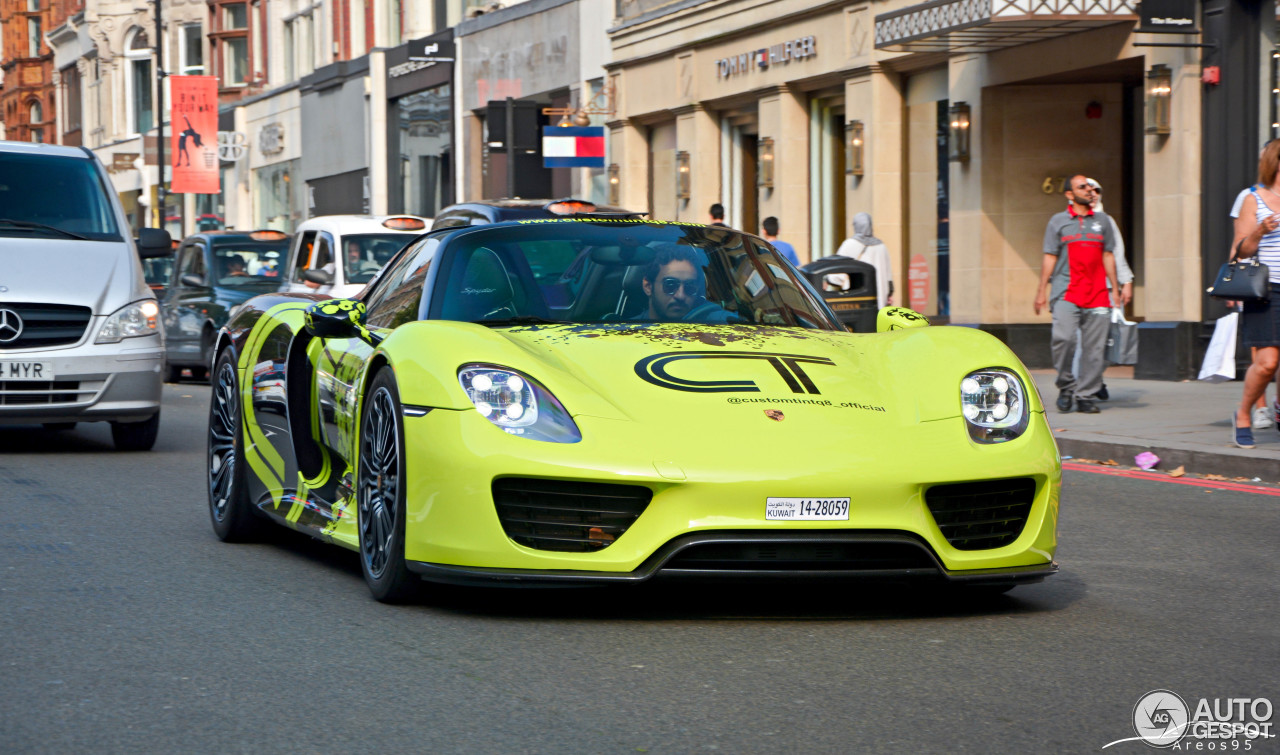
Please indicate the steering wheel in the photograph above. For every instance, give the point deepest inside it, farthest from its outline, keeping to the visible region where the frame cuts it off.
(701, 311)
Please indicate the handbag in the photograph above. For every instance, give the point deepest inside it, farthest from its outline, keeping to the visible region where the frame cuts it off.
(1220, 358)
(1242, 280)
(1122, 340)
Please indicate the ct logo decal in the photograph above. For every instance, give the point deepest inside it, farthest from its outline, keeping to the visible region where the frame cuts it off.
(10, 326)
(653, 369)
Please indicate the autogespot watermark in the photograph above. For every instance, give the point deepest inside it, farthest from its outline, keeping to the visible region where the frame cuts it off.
(1163, 719)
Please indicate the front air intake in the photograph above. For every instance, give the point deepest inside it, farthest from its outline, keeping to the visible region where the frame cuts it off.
(567, 515)
(981, 515)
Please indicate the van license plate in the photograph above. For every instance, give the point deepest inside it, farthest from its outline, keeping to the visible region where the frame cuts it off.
(25, 371)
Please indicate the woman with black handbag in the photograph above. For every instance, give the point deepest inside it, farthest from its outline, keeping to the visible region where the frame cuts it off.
(1257, 238)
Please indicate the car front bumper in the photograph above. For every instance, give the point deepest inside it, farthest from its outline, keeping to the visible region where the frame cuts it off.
(119, 382)
(454, 532)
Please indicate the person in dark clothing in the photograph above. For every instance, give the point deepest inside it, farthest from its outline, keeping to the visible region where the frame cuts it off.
(717, 214)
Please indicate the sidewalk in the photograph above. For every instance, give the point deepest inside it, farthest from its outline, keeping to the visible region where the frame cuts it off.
(1185, 424)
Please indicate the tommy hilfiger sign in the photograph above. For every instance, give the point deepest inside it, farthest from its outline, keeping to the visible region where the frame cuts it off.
(796, 49)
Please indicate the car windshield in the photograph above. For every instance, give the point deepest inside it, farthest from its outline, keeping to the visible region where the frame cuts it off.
(248, 263)
(366, 253)
(592, 271)
(54, 196)
(156, 271)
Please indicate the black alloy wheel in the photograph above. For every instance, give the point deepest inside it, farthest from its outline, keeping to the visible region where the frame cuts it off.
(380, 494)
(229, 508)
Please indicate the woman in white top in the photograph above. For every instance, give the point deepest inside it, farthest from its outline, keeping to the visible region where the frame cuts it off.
(863, 246)
(1256, 234)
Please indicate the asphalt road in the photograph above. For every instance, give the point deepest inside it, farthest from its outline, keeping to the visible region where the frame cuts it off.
(125, 626)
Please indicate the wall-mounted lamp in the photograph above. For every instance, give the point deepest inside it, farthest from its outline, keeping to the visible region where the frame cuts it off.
(853, 143)
(683, 182)
(960, 115)
(615, 188)
(764, 168)
(1159, 91)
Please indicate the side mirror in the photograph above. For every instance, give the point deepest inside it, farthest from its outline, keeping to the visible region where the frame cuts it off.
(193, 280)
(323, 277)
(339, 318)
(154, 242)
(899, 318)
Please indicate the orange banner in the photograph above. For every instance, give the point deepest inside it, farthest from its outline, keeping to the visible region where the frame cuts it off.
(193, 124)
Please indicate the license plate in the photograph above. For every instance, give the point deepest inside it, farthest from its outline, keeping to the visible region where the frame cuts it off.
(26, 371)
(807, 509)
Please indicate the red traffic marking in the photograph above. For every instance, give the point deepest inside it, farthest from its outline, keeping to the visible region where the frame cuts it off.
(1164, 477)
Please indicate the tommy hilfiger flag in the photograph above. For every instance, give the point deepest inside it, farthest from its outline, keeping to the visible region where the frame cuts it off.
(573, 146)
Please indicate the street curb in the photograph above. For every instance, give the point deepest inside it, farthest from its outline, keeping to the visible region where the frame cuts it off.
(1198, 462)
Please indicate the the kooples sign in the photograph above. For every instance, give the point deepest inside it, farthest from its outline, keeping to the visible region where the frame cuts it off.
(785, 52)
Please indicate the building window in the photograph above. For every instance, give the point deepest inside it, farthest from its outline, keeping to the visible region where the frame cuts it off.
(233, 59)
(142, 112)
(35, 112)
(33, 6)
(235, 62)
(235, 16)
(33, 37)
(192, 50)
(299, 48)
(37, 135)
(71, 98)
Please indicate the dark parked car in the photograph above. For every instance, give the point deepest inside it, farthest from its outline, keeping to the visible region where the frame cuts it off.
(213, 272)
(484, 211)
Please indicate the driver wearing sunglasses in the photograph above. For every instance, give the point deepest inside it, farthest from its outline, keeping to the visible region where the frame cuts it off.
(674, 284)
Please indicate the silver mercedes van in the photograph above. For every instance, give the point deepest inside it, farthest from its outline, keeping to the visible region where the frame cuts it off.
(80, 337)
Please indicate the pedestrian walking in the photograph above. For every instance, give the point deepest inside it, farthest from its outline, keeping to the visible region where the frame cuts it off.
(1256, 235)
(1080, 300)
(1262, 418)
(866, 247)
(1123, 272)
(770, 228)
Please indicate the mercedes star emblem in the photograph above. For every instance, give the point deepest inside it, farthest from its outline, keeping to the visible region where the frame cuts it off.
(10, 326)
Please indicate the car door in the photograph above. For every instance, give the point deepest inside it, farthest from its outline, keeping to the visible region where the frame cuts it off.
(339, 363)
(185, 303)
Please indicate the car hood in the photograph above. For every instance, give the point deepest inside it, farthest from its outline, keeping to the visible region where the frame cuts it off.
(104, 275)
(723, 376)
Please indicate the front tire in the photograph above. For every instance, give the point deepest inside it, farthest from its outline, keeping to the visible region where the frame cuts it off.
(380, 494)
(230, 510)
(136, 436)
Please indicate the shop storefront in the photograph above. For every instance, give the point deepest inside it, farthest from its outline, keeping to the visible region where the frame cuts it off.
(273, 126)
(753, 120)
(335, 132)
(955, 125)
(543, 54)
(421, 163)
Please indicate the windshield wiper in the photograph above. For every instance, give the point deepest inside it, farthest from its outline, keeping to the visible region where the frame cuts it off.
(42, 227)
(521, 320)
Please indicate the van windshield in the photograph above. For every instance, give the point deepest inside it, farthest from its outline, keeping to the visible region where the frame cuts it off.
(54, 196)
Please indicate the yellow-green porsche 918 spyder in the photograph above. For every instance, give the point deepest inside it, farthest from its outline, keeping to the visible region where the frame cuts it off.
(607, 399)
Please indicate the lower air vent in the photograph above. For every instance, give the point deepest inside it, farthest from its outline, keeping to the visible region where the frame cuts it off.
(981, 515)
(565, 515)
(40, 392)
(802, 556)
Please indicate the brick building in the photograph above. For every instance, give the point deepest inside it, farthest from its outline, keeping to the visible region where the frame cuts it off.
(27, 102)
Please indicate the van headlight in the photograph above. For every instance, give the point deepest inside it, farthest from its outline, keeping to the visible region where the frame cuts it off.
(131, 320)
(517, 404)
(994, 404)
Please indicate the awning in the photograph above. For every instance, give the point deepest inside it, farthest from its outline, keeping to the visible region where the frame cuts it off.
(986, 25)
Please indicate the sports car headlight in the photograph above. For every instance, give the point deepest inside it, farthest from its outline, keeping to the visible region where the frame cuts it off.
(517, 404)
(994, 404)
(137, 319)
